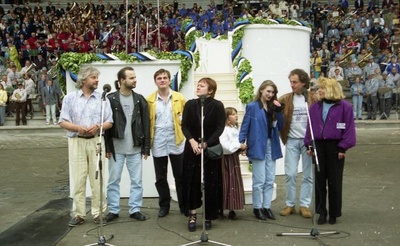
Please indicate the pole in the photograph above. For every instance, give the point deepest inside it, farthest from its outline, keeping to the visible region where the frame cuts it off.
(158, 25)
(126, 27)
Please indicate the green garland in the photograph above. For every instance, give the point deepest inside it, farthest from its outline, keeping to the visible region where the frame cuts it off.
(246, 88)
(72, 61)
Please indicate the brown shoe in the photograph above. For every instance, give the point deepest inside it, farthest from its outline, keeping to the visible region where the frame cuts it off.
(287, 211)
(305, 212)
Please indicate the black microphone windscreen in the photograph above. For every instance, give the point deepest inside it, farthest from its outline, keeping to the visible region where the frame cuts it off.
(203, 98)
(107, 88)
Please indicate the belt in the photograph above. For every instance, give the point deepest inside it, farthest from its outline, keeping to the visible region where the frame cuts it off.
(86, 137)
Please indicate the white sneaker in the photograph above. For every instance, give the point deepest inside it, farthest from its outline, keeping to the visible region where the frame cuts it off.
(47, 123)
(55, 123)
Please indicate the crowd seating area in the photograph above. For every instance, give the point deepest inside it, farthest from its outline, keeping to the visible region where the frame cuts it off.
(344, 35)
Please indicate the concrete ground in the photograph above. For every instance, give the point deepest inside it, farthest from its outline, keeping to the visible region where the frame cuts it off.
(35, 172)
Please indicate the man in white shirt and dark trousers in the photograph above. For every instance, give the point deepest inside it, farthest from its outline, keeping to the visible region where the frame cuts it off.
(167, 139)
(19, 97)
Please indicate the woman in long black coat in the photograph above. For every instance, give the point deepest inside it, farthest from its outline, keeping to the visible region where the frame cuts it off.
(213, 126)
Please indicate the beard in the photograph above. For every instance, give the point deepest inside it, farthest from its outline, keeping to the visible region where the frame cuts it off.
(130, 86)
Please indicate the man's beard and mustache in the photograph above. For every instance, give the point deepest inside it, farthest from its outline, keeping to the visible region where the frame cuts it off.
(131, 86)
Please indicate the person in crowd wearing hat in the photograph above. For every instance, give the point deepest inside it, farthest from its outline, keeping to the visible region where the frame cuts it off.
(376, 29)
(49, 101)
(13, 75)
(352, 72)
(40, 62)
(41, 84)
(393, 63)
(30, 88)
(371, 86)
(386, 97)
(358, 91)
(370, 67)
(332, 73)
(19, 97)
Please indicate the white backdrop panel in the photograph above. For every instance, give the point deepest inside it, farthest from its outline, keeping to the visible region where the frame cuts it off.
(273, 51)
(145, 86)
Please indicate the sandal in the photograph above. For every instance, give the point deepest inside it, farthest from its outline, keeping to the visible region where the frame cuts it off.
(192, 222)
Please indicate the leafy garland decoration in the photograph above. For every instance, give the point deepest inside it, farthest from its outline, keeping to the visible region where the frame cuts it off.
(72, 61)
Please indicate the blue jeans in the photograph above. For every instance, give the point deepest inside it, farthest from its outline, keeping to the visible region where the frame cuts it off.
(263, 180)
(134, 166)
(357, 106)
(294, 149)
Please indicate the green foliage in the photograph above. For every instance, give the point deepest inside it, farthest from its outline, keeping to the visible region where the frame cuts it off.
(123, 56)
(246, 91)
(197, 59)
(237, 36)
(246, 88)
(72, 61)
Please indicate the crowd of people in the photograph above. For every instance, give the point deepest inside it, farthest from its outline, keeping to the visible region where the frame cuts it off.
(359, 47)
(348, 43)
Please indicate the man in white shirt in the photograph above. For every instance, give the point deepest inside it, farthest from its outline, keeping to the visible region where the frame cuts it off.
(19, 97)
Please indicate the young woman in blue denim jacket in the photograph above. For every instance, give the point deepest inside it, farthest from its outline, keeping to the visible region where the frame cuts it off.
(260, 131)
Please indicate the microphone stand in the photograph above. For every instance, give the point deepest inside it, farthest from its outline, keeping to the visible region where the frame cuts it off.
(314, 233)
(102, 239)
(204, 235)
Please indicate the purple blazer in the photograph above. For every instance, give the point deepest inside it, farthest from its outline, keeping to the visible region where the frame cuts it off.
(339, 125)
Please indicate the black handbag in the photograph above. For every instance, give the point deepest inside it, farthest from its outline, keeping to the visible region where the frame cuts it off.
(215, 152)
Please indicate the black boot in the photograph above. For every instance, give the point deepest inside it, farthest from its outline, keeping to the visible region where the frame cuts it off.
(259, 214)
(321, 219)
(192, 222)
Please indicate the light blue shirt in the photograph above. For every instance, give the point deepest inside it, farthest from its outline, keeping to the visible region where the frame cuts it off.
(80, 111)
(164, 142)
(325, 109)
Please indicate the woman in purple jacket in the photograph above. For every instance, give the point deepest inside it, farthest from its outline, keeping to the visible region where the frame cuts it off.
(333, 128)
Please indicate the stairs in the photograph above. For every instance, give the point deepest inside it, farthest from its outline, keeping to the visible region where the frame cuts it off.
(35, 123)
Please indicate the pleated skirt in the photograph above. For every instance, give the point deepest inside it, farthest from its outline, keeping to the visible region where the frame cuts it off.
(232, 183)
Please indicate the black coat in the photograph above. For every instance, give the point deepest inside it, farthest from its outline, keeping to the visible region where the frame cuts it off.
(214, 124)
(140, 123)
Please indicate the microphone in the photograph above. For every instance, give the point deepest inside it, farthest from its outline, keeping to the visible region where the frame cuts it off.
(106, 89)
(203, 99)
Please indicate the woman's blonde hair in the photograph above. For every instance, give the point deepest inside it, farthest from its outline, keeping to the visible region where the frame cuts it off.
(333, 89)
